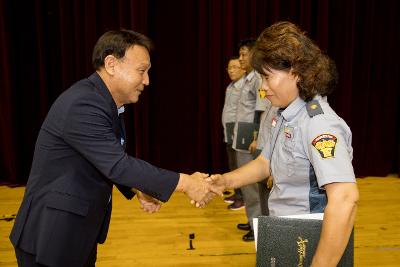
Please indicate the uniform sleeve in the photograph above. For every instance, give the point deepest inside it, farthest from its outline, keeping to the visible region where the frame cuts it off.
(89, 130)
(329, 149)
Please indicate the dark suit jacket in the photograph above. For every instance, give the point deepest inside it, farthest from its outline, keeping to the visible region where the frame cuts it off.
(78, 158)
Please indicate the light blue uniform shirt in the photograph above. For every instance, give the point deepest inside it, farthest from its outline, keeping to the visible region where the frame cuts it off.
(309, 152)
(249, 102)
(232, 96)
(267, 124)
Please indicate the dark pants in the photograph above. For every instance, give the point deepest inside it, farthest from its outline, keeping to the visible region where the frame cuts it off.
(264, 194)
(263, 190)
(232, 164)
(25, 259)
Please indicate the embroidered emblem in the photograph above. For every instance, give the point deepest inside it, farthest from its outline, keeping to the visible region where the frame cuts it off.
(262, 92)
(325, 144)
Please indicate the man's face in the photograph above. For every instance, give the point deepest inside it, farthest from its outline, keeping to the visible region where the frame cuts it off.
(244, 58)
(131, 74)
(234, 69)
(281, 87)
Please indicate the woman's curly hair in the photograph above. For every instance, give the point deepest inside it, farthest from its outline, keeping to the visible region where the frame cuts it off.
(283, 46)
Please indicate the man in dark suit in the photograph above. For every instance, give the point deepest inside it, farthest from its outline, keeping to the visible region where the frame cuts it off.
(79, 156)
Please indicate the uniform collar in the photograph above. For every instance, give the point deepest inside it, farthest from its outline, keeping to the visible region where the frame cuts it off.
(293, 109)
(251, 75)
(239, 83)
(320, 98)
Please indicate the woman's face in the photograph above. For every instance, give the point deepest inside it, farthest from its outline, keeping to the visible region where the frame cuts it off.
(280, 86)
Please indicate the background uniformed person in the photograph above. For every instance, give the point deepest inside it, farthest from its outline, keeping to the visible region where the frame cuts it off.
(267, 124)
(310, 152)
(232, 95)
(250, 107)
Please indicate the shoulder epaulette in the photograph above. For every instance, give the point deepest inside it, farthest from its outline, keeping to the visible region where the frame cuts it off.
(314, 108)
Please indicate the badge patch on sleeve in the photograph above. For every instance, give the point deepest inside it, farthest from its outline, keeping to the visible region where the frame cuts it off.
(325, 144)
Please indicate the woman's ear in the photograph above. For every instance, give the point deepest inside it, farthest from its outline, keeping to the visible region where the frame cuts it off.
(295, 76)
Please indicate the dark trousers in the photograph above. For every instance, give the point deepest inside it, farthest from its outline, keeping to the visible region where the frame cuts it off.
(263, 190)
(264, 194)
(26, 259)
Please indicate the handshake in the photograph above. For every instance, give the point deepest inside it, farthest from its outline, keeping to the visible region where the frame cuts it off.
(199, 187)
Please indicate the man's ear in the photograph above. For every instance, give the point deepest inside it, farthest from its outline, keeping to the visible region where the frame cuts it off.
(109, 64)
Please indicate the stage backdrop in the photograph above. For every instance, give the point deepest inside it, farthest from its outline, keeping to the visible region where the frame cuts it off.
(46, 46)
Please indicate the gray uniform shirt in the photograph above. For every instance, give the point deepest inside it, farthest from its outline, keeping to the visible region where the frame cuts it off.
(249, 102)
(232, 95)
(306, 153)
(268, 121)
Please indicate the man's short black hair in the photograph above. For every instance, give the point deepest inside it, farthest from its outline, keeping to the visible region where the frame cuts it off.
(249, 43)
(116, 43)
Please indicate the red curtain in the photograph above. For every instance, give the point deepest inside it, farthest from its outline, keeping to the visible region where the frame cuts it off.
(46, 46)
(7, 153)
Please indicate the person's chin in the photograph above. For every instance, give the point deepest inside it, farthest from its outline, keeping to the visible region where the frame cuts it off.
(135, 100)
(273, 102)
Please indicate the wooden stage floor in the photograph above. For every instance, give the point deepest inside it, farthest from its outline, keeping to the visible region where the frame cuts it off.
(162, 239)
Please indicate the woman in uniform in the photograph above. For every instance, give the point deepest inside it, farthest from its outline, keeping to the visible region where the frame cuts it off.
(310, 152)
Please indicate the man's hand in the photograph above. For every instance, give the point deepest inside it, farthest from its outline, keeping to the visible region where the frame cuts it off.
(270, 182)
(147, 203)
(218, 185)
(253, 146)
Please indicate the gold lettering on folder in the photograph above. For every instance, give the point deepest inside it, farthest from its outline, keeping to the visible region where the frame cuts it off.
(301, 250)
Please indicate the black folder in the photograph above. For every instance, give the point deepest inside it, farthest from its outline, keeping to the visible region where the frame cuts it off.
(229, 126)
(286, 242)
(245, 134)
